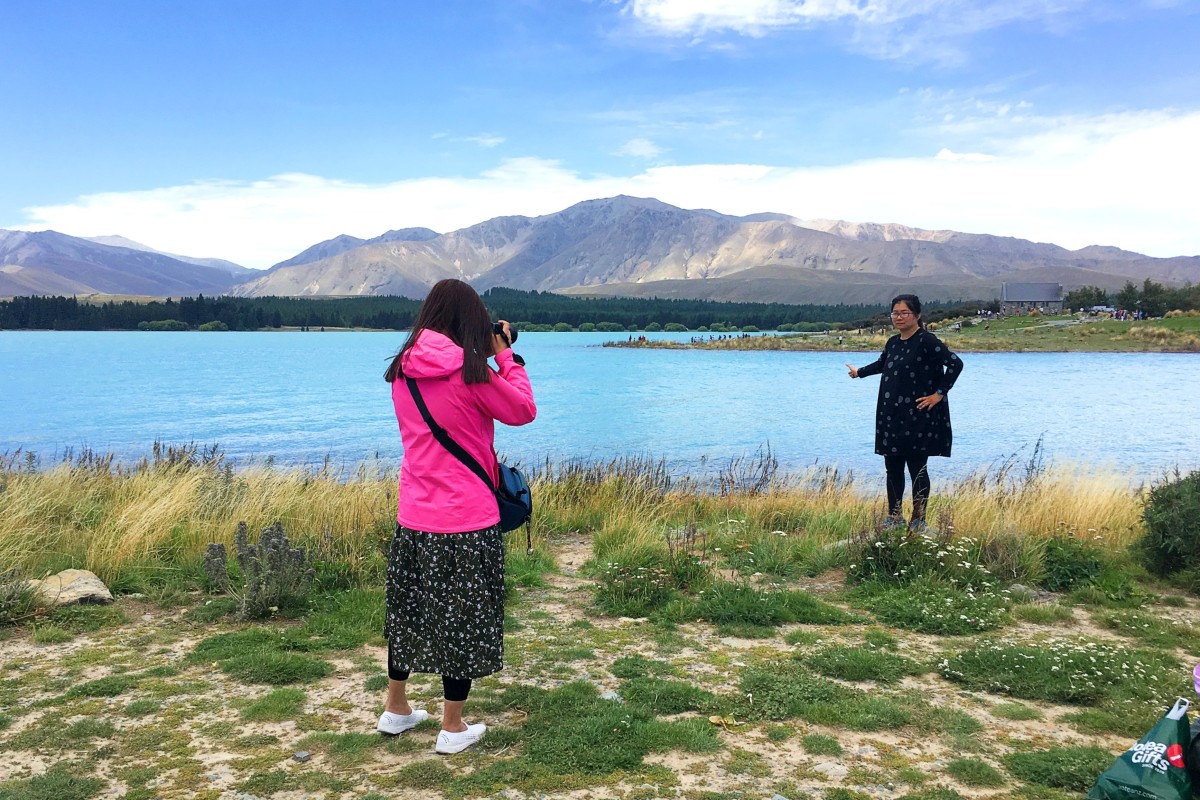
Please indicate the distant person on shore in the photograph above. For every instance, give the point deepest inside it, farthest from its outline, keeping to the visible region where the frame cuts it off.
(445, 573)
(912, 416)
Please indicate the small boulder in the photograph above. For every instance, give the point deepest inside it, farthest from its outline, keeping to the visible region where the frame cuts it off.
(72, 586)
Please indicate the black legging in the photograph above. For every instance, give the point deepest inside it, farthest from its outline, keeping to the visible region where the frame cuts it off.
(453, 689)
(895, 483)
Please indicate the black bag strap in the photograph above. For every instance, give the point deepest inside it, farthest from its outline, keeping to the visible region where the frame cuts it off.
(444, 439)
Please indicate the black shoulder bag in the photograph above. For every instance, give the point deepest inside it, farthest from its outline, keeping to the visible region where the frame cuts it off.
(512, 495)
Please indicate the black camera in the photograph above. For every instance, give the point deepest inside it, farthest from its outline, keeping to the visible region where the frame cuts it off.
(498, 329)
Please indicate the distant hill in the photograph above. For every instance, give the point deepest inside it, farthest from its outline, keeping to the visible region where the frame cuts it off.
(621, 245)
(237, 270)
(643, 247)
(340, 244)
(47, 262)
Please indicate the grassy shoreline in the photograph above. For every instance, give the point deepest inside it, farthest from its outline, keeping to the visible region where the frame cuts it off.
(1013, 334)
(763, 638)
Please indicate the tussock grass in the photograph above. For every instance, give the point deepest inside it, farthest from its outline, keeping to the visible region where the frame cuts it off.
(143, 527)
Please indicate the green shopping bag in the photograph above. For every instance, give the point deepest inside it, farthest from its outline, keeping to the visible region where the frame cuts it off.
(1153, 769)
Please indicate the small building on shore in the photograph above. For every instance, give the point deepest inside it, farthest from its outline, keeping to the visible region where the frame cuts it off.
(1023, 298)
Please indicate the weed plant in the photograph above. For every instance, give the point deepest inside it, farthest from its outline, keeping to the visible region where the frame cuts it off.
(274, 574)
(18, 599)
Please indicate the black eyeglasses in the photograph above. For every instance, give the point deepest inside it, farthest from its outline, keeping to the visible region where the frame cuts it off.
(902, 313)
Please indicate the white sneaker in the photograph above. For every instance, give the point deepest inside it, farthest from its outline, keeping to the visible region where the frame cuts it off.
(448, 742)
(392, 724)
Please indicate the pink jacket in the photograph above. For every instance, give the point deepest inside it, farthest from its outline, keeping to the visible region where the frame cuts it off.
(437, 492)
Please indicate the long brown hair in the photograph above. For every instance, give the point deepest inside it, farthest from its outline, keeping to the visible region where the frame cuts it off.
(454, 309)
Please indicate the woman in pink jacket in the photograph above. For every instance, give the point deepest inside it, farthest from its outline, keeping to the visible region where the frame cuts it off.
(445, 576)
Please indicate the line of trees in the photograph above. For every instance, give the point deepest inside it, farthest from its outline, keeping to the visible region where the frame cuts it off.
(1153, 298)
(536, 310)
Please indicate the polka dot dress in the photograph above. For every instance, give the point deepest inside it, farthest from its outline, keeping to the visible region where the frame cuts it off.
(909, 369)
(445, 602)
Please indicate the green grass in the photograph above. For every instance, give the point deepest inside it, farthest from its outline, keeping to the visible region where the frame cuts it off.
(1018, 712)
(111, 686)
(783, 690)
(1080, 671)
(975, 773)
(726, 602)
(668, 696)
(276, 669)
(1152, 630)
(276, 706)
(819, 744)
(343, 749)
(927, 607)
(1072, 768)
(51, 634)
(1042, 614)
(259, 655)
(58, 783)
(86, 618)
(641, 667)
(862, 664)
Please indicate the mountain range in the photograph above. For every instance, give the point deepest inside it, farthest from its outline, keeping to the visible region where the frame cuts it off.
(615, 246)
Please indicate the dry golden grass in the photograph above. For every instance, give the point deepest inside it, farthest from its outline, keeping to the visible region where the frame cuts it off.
(161, 518)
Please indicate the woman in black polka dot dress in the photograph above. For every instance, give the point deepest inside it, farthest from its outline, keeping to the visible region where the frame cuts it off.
(912, 417)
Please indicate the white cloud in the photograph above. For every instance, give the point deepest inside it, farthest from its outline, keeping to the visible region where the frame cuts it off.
(919, 30)
(946, 154)
(639, 148)
(483, 140)
(1121, 180)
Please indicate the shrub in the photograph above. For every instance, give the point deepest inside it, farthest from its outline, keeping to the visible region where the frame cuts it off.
(274, 574)
(1172, 517)
(1071, 768)
(1068, 563)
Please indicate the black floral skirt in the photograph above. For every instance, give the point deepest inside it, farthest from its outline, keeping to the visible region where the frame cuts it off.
(445, 602)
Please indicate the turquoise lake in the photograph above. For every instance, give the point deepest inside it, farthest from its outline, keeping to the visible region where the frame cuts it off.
(305, 399)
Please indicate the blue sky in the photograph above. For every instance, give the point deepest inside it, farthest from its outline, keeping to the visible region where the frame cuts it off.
(250, 130)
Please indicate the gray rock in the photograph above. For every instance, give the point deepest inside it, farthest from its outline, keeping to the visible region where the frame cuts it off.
(302, 756)
(611, 695)
(72, 586)
(778, 797)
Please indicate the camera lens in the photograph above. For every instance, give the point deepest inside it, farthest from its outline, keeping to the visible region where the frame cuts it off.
(498, 329)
